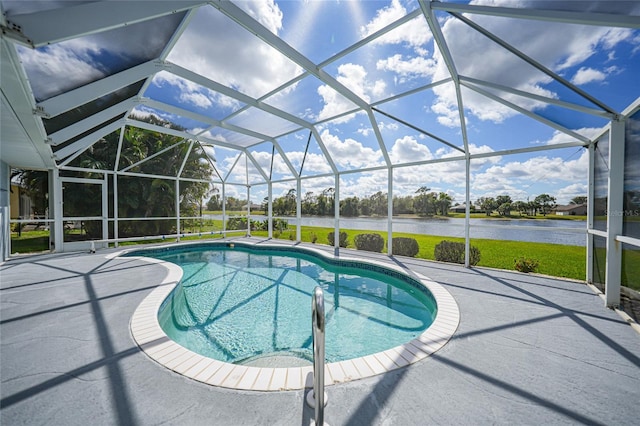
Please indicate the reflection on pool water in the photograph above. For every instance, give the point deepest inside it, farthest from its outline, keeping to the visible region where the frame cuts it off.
(240, 305)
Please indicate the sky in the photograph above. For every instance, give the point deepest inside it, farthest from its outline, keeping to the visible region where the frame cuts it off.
(604, 62)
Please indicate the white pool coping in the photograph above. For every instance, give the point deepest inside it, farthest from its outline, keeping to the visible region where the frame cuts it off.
(154, 342)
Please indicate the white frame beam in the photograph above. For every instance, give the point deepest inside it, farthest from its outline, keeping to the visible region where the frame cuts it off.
(56, 25)
(549, 15)
(615, 213)
(89, 92)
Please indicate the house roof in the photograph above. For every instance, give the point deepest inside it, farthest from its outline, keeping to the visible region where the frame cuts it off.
(570, 207)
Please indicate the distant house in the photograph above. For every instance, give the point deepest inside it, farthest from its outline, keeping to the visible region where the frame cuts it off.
(572, 210)
(253, 206)
(460, 208)
(20, 202)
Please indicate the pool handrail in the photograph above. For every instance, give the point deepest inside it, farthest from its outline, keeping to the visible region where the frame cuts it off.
(318, 320)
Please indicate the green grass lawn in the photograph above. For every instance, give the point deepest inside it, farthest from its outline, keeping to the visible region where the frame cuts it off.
(556, 260)
(29, 242)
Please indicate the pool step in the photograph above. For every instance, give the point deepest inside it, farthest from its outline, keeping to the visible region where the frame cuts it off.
(280, 359)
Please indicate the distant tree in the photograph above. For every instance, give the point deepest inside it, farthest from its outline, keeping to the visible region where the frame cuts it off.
(403, 205)
(365, 206)
(233, 203)
(488, 204)
(581, 199)
(290, 201)
(425, 202)
(443, 203)
(280, 206)
(502, 199)
(520, 206)
(349, 207)
(504, 209)
(309, 204)
(325, 202)
(546, 203)
(204, 192)
(214, 203)
(379, 203)
(533, 207)
(503, 203)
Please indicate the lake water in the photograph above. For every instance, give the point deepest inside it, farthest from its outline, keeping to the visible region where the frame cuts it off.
(567, 232)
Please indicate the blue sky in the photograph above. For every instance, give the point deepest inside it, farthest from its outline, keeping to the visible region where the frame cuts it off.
(605, 62)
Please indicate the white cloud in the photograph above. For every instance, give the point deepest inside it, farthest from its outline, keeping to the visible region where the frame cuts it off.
(446, 108)
(243, 171)
(388, 126)
(45, 65)
(535, 172)
(363, 185)
(214, 136)
(414, 33)
(350, 153)
(193, 93)
(266, 12)
(315, 164)
(264, 160)
(478, 57)
(242, 61)
(411, 67)
(366, 131)
(482, 149)
(587, 75)
(354, 77)
(384, 17)
(407, 149)
(197, 99)
(565, 194)
(334, 104)
(73, 63)
(560, 137)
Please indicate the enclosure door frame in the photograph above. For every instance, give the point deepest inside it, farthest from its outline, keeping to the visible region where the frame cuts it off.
(76, 245)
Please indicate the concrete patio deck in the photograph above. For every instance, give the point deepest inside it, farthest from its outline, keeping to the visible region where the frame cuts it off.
(528, 350)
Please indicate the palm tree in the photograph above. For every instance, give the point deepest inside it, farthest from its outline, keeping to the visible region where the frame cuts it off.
(444, 203)
(137, 197)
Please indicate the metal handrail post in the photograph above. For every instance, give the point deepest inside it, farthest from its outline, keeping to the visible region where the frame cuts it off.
(317, 313)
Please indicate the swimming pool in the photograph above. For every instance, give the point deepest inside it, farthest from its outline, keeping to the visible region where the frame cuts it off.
(248, 306)
(241, 315)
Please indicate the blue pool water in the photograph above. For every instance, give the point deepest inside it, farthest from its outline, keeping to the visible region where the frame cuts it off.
(240, 304)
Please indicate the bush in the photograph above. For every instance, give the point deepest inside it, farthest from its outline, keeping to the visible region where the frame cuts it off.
(240, 222)
(344, 239)
(525, 264)
(405, 247)
(449, 251)
(314, 238)
(369, 242)
(236, 222)
(280, 224)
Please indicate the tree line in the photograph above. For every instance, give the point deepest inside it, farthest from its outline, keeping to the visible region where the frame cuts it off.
(423, 202)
